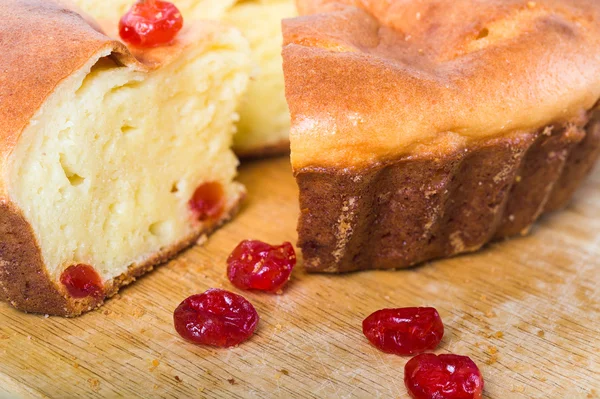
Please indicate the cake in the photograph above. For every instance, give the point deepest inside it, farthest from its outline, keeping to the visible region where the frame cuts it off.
(264, 122)
(422, 130)
(111, 161)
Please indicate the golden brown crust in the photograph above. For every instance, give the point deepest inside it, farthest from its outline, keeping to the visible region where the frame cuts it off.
(412, 210)
(25, 284)
(370, 80)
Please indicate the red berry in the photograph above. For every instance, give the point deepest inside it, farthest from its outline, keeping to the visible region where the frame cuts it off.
(150, 23)
(216, 317)
(82, 281)
(404, 331)
(208, 201)
(257, 265)
(428, 376)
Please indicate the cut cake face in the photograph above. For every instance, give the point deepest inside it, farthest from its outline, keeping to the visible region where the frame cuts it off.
(263, 128)
(110, 161)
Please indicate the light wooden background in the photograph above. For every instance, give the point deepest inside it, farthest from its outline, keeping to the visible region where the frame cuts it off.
(527, 311)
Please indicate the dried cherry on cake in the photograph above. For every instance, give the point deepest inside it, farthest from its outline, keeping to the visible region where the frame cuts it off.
(150, 23)
(428, 376)
(404, 331)
(216, 317)
(208, 201)
(257, 265)
(81, 281)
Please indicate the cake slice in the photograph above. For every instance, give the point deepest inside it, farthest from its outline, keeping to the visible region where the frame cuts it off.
(111, 162)
(264, 123)
(425, 129)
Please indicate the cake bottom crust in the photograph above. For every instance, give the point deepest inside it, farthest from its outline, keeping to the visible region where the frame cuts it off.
(271, 150)
(413, 210)
(25, 284)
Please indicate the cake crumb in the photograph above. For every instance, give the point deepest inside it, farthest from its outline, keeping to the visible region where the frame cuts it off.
(493, 359)
(490, 314)
(492, 350)
(483, 297)
(4, 336)
(202, 239)
(94, 384)
(155, 364)
(541, 333)
(178, 379)
(593, 394)
(200, 389)
(155, 387)
(518, 388)
(278, 326)
(499, 334)
(138, 312)
(279, 292)
(231, 381)
(75, 365)
(387, 297)
(284, 372)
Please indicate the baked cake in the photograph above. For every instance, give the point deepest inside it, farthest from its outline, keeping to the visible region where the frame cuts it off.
(425, 129)
(264, 117)
(111, 161)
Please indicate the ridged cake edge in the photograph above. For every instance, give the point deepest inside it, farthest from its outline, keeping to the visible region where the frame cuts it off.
(413, 210)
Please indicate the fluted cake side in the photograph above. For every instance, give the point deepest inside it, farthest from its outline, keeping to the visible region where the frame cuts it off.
(402, 213)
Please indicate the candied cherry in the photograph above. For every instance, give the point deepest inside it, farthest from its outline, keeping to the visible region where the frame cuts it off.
(81, 281)
(256, 265)
(404, 331)
(428, 376)
(208, 201)
(150, 23)
(216, 317)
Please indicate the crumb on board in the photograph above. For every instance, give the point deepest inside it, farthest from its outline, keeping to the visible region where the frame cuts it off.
(493, 352)
(541, 333)
(490, 314)
(4, 336)
(155, 387)
(138, 312)
(75, 365)
(155, 364)
(94, 383)
(284, 372)
(483, 297)
(499, 334)
(200, 389)
(593, 394)
(231, 381)
(107, 312)
(178, 379)
(517, 388)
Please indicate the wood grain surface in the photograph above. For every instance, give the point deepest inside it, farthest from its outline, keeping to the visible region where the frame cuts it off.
(526, 310)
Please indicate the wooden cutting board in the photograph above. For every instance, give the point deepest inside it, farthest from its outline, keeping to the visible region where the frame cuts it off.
(526, 310)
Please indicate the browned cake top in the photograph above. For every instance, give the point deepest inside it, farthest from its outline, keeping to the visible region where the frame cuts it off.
(369, 81)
